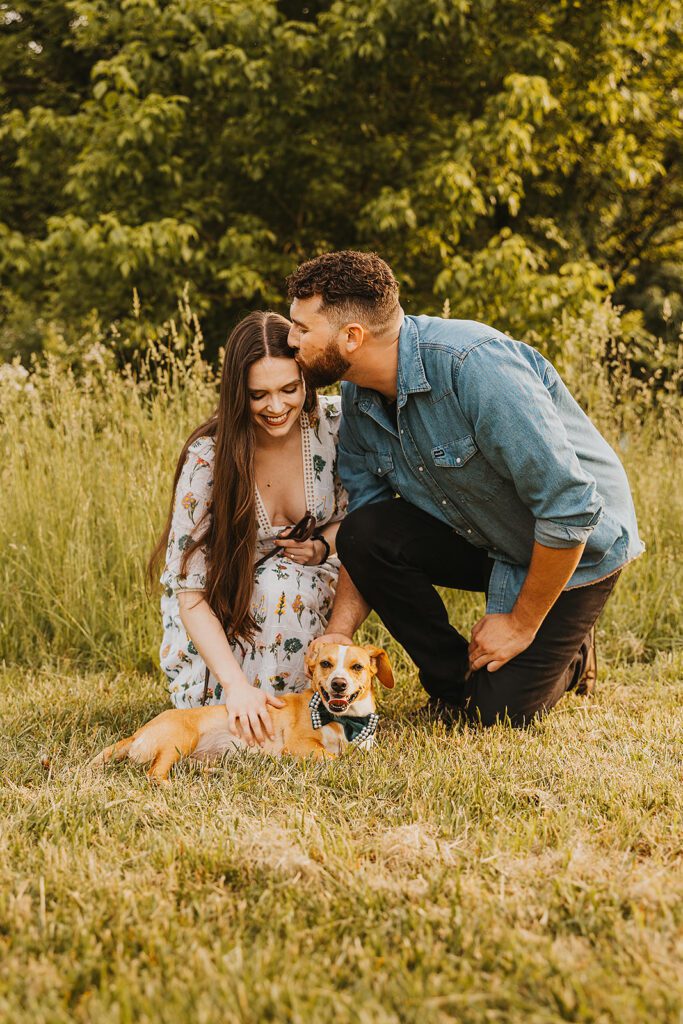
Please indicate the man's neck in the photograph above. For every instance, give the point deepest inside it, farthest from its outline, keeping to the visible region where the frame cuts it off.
(377, 367)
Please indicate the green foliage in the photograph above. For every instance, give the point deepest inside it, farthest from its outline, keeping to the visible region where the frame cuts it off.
(517, 159)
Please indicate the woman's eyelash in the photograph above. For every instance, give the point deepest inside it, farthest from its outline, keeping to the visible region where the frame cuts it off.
(256, 397)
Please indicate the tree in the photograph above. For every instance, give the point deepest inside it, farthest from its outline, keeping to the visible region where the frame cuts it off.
(516, 159)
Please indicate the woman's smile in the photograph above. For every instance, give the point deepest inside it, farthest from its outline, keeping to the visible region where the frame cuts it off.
(276, 421)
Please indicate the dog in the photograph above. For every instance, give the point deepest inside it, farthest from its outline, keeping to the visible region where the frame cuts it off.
(336, 711)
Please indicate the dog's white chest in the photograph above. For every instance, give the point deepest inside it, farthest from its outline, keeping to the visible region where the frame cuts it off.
(333, 738)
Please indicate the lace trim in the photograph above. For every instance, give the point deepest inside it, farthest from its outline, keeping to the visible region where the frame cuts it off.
(309, 475)
(261, 514)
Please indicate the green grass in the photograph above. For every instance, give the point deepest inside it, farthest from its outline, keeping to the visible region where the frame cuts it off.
(473, 876)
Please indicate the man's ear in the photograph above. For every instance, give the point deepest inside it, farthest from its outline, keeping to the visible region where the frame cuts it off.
(354, 337)
(382, 665)
(311, 660)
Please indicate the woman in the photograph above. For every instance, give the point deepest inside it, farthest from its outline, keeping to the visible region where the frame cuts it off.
(231, 600)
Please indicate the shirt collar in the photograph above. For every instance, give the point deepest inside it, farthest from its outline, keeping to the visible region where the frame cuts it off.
(411, 373)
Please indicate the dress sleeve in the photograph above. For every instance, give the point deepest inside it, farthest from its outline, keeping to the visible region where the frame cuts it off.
(191, 512)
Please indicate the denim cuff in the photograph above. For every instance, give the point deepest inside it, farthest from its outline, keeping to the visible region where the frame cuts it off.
(562, 535)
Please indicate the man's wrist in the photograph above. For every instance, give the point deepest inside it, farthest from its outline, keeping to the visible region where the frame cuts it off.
(343, 628)
(525, 620)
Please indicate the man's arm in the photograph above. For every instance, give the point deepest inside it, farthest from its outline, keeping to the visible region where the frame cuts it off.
(348, 613)
(496, 639)
(349, 610)
(522, 436)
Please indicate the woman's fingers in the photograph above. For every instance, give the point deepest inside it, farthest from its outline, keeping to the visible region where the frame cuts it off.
(255, 724)
(267, 724)
(239, 725)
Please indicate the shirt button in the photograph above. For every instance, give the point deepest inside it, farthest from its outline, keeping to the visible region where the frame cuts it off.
(458, 460)
(443, 502)
(469, 531)
(421, 468)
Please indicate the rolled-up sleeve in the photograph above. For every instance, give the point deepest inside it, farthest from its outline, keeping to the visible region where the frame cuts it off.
(518, 431)
(363, 486)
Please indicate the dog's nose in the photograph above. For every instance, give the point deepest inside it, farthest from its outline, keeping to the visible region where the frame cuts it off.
(338, 685)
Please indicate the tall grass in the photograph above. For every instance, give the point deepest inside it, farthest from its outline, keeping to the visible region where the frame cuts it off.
(87, 457)
(471, 876)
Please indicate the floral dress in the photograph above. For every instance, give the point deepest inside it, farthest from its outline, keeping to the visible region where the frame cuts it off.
(291, 603)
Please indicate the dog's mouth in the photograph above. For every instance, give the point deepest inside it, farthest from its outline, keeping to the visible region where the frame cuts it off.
(338, 703)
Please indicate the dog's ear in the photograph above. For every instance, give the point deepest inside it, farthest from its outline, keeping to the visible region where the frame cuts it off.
(311, 659)
(382, 665)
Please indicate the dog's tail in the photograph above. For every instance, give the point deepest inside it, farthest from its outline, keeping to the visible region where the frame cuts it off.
(116, 752)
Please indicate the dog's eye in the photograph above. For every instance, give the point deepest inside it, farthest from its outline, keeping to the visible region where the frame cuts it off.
(357, 668)
(325, 664)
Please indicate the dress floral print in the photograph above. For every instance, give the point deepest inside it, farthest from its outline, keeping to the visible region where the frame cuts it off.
(291, 602)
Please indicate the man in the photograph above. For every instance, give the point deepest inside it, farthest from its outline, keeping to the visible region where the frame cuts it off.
(468, 465)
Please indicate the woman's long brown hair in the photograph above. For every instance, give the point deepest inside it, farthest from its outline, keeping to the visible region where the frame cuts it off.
(228, 530)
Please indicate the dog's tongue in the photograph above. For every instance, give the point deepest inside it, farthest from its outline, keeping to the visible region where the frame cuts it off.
(338, 704)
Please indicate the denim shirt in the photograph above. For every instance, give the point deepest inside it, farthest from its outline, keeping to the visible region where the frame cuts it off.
(487, 438)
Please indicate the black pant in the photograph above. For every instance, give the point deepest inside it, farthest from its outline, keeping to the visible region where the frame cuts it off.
(395, 553)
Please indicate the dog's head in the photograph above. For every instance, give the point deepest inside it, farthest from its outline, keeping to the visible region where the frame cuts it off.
(343, 675)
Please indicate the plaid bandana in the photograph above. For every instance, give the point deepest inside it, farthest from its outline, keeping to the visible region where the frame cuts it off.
(355, 729)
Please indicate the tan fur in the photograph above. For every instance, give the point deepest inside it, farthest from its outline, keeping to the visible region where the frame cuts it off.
(203, 734)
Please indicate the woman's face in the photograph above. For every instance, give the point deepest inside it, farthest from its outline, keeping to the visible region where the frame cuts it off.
(276, 395)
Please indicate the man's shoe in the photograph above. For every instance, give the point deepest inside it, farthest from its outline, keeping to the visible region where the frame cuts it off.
(586, 684)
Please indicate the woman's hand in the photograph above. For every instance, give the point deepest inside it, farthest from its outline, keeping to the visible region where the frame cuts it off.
(305, 552)
(248, 716)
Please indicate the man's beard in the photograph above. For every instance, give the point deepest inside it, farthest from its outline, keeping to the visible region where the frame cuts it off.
(326, 369)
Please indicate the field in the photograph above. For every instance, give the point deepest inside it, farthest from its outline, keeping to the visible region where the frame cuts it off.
(466, 876)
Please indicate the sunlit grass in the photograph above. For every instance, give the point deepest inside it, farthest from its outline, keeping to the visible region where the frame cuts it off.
(475, 876)
(468, 876)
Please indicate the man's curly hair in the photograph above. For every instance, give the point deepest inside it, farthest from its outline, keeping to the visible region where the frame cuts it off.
(353, 286)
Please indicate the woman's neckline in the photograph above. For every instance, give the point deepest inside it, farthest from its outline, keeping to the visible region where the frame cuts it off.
(309, 491)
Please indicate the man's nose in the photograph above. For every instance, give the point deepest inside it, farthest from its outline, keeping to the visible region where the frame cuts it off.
(338, 685)
(292, 341)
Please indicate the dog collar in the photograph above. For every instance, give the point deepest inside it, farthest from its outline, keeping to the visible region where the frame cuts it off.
(355, 729)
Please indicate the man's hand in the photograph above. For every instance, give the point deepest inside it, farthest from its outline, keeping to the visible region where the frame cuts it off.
(497, 639)
(329, 638)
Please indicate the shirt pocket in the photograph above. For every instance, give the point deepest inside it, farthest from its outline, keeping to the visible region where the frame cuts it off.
(380, 464)
(454, 454)
(464, 468)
